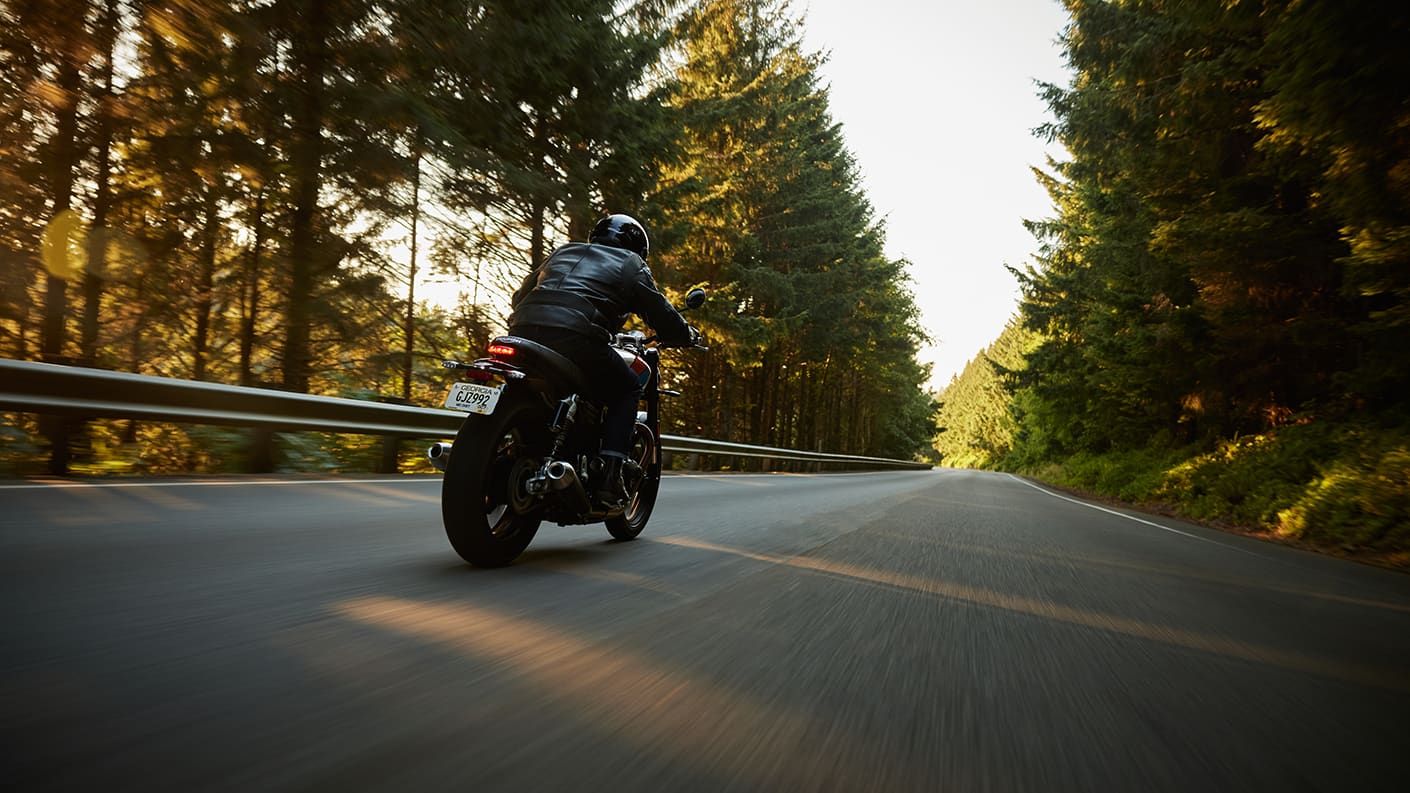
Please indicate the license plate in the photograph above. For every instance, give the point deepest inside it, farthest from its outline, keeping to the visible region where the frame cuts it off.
(473, 398)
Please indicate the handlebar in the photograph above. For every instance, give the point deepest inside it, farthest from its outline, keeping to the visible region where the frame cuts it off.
(657, 341)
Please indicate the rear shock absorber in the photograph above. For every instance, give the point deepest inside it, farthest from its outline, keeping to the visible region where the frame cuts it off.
(562, 422)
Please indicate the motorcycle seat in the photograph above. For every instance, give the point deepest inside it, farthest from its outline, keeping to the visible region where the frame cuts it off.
(539, 358)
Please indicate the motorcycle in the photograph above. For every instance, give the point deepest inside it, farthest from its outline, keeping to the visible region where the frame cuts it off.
(528, 449)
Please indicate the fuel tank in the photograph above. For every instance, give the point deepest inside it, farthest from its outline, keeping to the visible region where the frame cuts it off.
(637, 364)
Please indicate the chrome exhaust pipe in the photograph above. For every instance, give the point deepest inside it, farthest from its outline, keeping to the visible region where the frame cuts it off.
(562, 477)
(439, 455)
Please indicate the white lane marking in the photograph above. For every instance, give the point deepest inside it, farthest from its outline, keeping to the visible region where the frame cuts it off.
(65, 485)
(1133, 517)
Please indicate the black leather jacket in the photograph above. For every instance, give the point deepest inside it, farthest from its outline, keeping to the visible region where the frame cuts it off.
(592, 289)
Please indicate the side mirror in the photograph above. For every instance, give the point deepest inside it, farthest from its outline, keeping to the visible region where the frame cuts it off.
(695, 298)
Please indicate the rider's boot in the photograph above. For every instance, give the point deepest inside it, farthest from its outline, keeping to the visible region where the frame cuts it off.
(611, 491)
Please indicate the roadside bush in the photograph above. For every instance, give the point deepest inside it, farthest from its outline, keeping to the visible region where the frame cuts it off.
(1360, 502)
(148, 448)
(1344, 485)
(326, 452)
(20, 446)
(1134, 475)
(1245, 480)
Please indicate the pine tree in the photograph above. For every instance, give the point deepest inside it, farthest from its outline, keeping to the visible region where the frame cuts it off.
(1203, 277)
(1333, 113)
(768, 213)
(26, 123)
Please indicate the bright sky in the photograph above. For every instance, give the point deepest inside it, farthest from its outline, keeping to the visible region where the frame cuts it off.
(937, 101)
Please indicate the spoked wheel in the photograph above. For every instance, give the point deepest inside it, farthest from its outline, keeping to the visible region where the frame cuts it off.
(629, 524)
(489, 516)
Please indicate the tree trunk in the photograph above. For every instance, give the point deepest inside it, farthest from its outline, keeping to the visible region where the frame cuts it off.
(411, 276)
(205, 283)
(857, 439)
(250, 299)
(784, 415)
(538, 236)
(67, 154)
(581, 217)
(102, 202)
(755, 405)
(836, 419)
(311, 50)
(804, 406)
(54, 333)
(772, 382)
(726, 404)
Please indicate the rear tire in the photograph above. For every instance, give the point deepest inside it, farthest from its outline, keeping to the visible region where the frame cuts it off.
(488, 516)
(630, 523)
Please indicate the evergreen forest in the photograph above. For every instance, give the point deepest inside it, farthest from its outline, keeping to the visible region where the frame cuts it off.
(1219, 319)
(251, 191)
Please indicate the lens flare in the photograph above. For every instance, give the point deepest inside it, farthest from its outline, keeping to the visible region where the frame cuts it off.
(64, 245)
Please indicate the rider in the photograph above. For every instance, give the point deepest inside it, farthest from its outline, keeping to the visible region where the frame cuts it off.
(576, 301)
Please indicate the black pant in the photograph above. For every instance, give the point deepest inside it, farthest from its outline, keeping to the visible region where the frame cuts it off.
(609, 380)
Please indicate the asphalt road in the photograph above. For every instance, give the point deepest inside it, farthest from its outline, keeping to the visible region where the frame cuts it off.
(919, 631)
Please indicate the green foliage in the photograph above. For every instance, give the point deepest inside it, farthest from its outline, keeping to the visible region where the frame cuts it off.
(1135, 475)
(19, 447)
(303, 452)
(126, 448)
(1199, 279)
(1245, 480)
(1363, 502)
(813, 330)
(1344, 485)
(975, 417)
(1219, 304)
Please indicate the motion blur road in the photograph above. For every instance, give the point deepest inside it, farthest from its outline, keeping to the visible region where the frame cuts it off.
(919, 631)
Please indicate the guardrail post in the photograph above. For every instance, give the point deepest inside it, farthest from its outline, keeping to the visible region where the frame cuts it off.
(261, 459)
(391, 444)
(56, 430)
(391, 451)
(63, 431)
(262, 441)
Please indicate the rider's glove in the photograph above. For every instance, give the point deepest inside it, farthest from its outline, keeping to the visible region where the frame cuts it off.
(694, 335)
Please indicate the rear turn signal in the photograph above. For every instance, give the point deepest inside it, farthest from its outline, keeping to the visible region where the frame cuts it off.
(501, 349)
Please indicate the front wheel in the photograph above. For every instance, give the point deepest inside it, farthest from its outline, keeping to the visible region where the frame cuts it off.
(489, 516)
(629, 524)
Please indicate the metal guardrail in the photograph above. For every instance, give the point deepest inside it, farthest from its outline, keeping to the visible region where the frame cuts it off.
(52, 389)
(687, 445)
(76, 391)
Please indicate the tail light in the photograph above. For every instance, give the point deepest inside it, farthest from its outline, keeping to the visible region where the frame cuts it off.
(502, 349)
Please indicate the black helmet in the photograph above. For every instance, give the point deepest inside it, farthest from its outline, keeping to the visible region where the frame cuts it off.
(621, 231)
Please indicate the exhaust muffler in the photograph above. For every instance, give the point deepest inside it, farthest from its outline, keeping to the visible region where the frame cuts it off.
(439, 455)
(562, 478)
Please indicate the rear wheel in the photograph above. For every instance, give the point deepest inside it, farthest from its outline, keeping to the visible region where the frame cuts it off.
(489, 516)
(630, 523)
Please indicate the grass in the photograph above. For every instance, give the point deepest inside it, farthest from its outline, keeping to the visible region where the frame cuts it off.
(1339, 487)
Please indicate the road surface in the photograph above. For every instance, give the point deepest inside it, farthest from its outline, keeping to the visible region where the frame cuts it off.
(917, 631)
